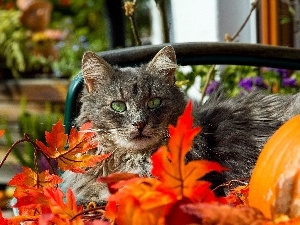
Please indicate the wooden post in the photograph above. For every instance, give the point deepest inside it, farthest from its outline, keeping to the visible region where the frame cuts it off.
(272, 32)
(269, 18)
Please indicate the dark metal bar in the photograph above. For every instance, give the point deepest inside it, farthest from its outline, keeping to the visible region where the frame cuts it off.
(192, 54)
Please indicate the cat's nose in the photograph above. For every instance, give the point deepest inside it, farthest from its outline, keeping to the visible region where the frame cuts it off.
(140, 125)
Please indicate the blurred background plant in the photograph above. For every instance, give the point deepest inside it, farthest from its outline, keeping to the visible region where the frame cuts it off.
(53, 47)
(236, 79)
(27, 47)
(34, 125)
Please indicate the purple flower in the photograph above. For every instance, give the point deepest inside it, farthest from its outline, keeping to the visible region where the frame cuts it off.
(282, 72)
(249, 83)
(246, 83)
(213, 85)
(289, 82)
(259, 82)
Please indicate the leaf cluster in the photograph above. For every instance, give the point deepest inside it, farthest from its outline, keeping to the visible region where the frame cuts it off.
(37, 193)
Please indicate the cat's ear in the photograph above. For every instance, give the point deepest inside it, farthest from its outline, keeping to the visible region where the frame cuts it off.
(164, 63)
(94, 68)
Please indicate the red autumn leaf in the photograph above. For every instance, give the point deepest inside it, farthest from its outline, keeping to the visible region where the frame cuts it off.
(70, 151)
(111, 211)
(31, 202)
(169, 164)
(49, 218)
(2, 132)
(114, 178)
(238, 196)
(2, 220)
(97, 222)
(65, 210)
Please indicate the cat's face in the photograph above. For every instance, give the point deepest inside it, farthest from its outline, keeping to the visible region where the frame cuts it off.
(132, 107)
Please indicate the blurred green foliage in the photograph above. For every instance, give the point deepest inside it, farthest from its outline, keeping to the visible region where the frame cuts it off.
(236, 79)
(83, 22)
(14, 43)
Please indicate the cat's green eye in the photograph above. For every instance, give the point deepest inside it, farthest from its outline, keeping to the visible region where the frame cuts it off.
(154, 103)
(118, 106)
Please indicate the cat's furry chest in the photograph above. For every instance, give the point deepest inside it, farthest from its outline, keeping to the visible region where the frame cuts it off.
(122, 160)
(86, 186)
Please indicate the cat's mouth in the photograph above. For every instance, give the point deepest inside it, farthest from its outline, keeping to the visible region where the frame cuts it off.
(140, 136)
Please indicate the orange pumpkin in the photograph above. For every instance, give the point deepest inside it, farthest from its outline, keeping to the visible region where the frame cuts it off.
(275, 182)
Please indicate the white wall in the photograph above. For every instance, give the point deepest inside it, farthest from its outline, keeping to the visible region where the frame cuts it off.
(231, 15)
(194, 20)
(209, 20)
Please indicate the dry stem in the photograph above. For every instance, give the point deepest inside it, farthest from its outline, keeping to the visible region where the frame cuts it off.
(228, 38)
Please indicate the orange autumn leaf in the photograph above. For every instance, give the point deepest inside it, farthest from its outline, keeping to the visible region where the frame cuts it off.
(24, 220)
(29, 190)
(70, 151)
(157, 200)
(31, 201)
(169, 164)
(65, 210)
(221, 214)
(139, 216)
(114, 178)
(139, 198)
(32, 179)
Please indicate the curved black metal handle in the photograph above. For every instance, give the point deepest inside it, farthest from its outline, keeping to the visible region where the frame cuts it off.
(192, 53)
(197, 53)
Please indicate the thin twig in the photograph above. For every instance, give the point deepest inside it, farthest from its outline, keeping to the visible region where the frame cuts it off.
(36, 149)
(98, 213)
(136, 36)
(161, 5)
(253, 7)
(228, 38)
(209, 76)
(10, 150)
(228, 184)
(130, 8)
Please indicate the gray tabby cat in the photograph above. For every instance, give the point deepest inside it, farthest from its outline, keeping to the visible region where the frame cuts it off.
(130, 109)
